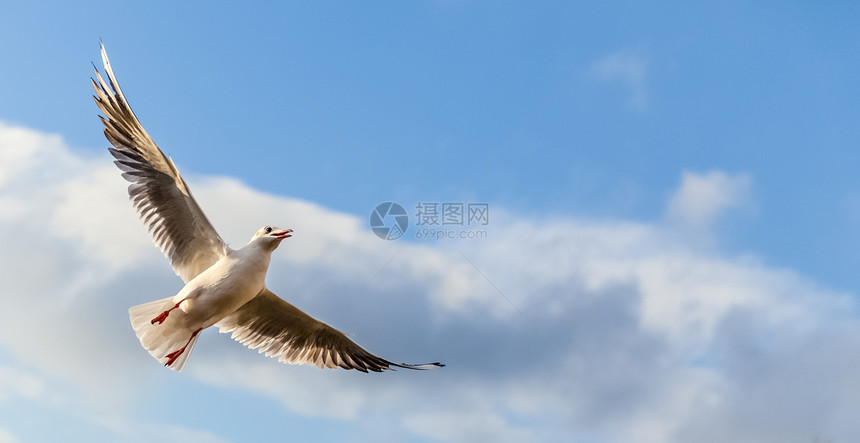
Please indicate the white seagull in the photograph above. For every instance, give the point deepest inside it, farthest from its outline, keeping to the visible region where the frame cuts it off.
(223, 286)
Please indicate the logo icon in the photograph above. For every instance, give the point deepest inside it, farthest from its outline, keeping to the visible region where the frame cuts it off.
(389, 221)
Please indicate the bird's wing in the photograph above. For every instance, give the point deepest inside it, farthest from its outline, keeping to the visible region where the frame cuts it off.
(160, 196)
(282, 331)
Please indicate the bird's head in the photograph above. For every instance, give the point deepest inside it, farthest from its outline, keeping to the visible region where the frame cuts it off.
(271, 236)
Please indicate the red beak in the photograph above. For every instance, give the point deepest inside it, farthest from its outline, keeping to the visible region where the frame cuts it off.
(284, 234)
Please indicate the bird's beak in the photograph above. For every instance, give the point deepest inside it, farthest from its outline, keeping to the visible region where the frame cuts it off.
(284, 234)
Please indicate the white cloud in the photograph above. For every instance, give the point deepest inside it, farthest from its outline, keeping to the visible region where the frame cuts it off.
(140, 431)
(7, 437)
(67, 247)
(16, 383)
(588, 329)
(628, 69)
(300, 392)
(702, 198)
(471, 426)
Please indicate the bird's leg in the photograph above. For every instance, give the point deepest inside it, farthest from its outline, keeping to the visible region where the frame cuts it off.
(171, 358)
(163, 316)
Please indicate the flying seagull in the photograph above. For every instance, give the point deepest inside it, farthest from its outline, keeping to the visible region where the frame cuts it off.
(223, 287)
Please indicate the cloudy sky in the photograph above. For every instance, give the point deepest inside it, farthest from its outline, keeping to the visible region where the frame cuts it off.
(669, 252)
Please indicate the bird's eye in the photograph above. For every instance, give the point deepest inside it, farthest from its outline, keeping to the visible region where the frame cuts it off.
(268, 229)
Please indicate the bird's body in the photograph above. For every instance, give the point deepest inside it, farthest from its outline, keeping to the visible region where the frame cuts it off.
(218, 291)
(223, 286)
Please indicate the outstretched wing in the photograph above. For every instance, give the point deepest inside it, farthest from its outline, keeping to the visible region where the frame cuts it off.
(160, 196)
(282, 331)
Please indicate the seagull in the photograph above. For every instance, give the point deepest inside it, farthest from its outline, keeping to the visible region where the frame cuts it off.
(224, 287)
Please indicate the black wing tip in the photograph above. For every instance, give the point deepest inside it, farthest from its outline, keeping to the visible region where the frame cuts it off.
(420, 367)
(101, 49)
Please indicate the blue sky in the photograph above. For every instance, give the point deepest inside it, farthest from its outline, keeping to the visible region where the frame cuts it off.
(671, 187)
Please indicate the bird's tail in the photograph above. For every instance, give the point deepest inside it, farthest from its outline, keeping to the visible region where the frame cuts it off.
(166, 340)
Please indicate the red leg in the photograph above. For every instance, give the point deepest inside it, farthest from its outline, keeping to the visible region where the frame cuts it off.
(171, 358)
(163, 316)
